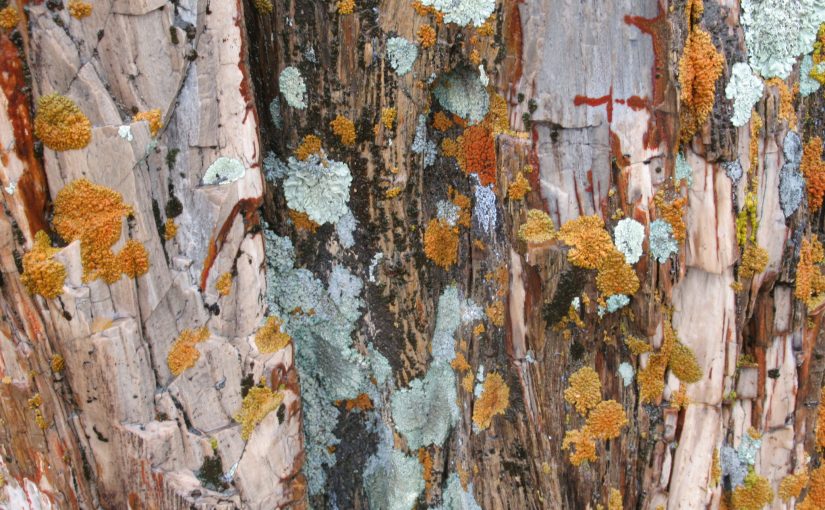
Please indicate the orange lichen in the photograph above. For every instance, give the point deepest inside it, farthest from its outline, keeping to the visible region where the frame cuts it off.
(786, 110)
(467, 382)
(259, 402)
(426, 36)
(224, 284)
(680, 399)
(153, 117)
(815, 500)
(170, 229)
(584, 390)
(494, 399)
(538, 228)
(519, 188)
(588, 240)
(442, 123)
(820, 424)
(813, 168)
(35, 402)
(346, 6)
(651, 378)
(495, 313)
(60, 124)
(183, 354)
(388, 116)
(479, 329)
(754, 494)
(584, 444)
(441, 243)
(672, 213)
(344, 129)
(792, 485)
(683, 364)
(41, 273)
(616, 276)
(756, 126)
(463, 203)
(263, 6)
(606, 420)
(361, 403)
(810, 283)
(715, 469)
(426, 461)
(693, 11)
(459, 363)
(9, 17)
(614, 500)
(488, 28)
(302, 221)
(270, 338)
(754, 261)
(93, 215)
(479, 151)
(475, 57)
(497, 117)
(699, 68)
(133, 261)
(392, 192)
(79, 9)
(636, 346)
(310, 145)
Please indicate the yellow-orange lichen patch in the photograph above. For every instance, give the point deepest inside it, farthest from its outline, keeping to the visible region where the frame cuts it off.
(616, 276)
(441, 243)
(614, 500)
(683, 364)
(815, 500)
(672, 212)
(588, 240)
(79, 9)
(442, 123)
(9, 17)
(41, 273)
(479, 151)
(792, 485)
(715, 468)
(820, 423)
(699, 68)
(426, 461)
(259, 402)
(344, 129)
(813, 168)
(754, 261)
(606, 420)
(388, 116)
(786, 111)
(467, 382)
(270, 338)
(519, 188)
(60, 124)
(426, 36)
(584, 391)
(495, 313)
(636, 346)
(810, 283)
(494, 399)
(538, 228)
(651, 378)
(133, 261)
(153, 118)
(224, 284)
(183, 353)
(680, 399)
(361, 403)
(583, 443)
(463, 203)
(393, 192)
(310, 145)
(346, 6)
(263, 6)
(459, 363)
(170, 229)
(754, 494)
(302, 221)
(497, 117)
(57, 363)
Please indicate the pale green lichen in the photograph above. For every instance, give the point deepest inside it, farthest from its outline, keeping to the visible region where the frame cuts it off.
(662, 242)
(683, 171)
(628, 236)
(807, 84)
(318, 187)
(456, 498)
(223, 171)
(464, 12)
(402, 54)
(393, 480)
(791, 182)
(425, 411)
(293, 87)
(744, 89)
(461, 93)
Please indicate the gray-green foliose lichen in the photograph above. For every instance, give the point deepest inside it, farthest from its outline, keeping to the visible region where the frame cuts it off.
(318, 187)
(460, 92)
(223, 171)
(402, 54)
(293, 87)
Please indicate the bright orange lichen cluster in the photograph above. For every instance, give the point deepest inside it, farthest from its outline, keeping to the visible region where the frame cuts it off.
(60, 124)
(9, 17)
(270, 338)
(636, 346)
(614, 500)
(815, 500)
(584, 391)
(170, 229)
(606, 420)
(79, 9)
(346, 6)
(538, 228)
(672, 213)
(754, 494)
(820, 423)
(302, 221)
(810, 283)
(754, 261)
(786, 110)
(41, 273)
(463, 203)
(362, 402)
(93, 215)
(344, 129)
(792, 485)
(393, 192)
(519, 188)
(426, 10)
(441, 243)
(224, 284)
(426, 36)
(388, 116)
(498, 119)
(479, 150)
(674, 355)
(495, 313)
(426, 461)
(813, 168)
(442, 122)
(57, 363)
(583, 444)
(699, 68)
(259, 402)
(183, 354)
(153, 117)
(310, 145)
(494, 399)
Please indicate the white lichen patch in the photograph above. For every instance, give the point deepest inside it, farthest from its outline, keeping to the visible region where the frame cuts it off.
(224, 170)
(744, 89)
(628, 236)
(464, 12)
(402, 54)
(318, 187)
(462, 93)
(293, 87)
(125, 132)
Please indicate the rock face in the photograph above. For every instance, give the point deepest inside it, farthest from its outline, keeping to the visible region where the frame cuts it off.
(417, 349)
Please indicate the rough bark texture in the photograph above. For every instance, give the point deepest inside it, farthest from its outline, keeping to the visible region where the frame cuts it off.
(593, 103)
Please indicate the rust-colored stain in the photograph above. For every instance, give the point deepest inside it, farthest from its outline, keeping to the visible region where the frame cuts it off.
(514, 42)
(244, 88)
(247, 207)
(32, 188)
(616, 149)
(598, 101)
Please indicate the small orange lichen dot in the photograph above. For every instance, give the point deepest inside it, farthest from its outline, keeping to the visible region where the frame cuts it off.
(57, 363)
(699, 68)
(459, 363)
(583, 443)
(9, 17)
(813, 168)
(259, 402)
(441, 243)
(310, 145)
(584, 391)
(183, 353)
(479, 151)
(346, 6)
(79, 9)
(614, 500)
(442, 123)
(302, 221)
(538, 228)
(388, 116)
(344, 129)
(463, 203)
(153, 117)
(519, 188)
(270, 338)
(133, 261)
(362, 403)
(392, 192)
(494, 399)
(60, 124)
(41, 273)
(224, 284)
(495, 313)
(754, 494)
(170, 229)
(426, 36)
(672, 213)
(606, 420)
(786, 111)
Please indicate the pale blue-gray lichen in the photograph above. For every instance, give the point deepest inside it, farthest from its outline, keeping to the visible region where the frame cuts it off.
(683, 170)
(485, 211)
(402, 54)
(392, 479)
(447, 211)
(274, 168)
(293, 87)
(345, 228)
(464, 12)
(733, 169)
(318, 187)
(422, 145)
(223, 170)
(626, 372)
(807, 84)
(791, 182)
(744, 89)
(425, 411)
(455, 497)
(629, 235)
(662, 242)
(461, 93)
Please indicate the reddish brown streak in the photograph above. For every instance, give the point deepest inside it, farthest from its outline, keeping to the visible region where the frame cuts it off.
(247, 207)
